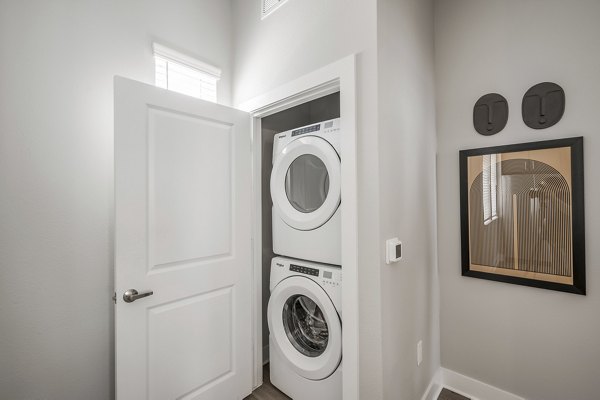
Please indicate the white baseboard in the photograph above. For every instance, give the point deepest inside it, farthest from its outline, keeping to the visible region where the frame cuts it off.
(434, 388)
(466, 386)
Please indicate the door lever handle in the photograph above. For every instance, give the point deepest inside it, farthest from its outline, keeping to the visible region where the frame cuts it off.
(132, 295)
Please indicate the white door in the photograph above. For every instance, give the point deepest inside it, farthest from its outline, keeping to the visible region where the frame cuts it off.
(182, 183)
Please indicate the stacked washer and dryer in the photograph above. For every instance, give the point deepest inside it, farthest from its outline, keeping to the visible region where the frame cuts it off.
(304, 311)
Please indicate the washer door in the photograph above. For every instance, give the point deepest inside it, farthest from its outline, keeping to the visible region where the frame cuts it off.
(305, 327)
(305, 183)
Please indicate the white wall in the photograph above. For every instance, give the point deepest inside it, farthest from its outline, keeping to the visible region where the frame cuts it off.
(539, 344)
(407, 148)
(299, 37)
(58, 59)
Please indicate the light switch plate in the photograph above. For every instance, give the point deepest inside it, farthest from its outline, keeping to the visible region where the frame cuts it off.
(393, 251)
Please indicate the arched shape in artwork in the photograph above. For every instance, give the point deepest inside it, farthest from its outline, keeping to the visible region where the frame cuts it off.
(520, 217)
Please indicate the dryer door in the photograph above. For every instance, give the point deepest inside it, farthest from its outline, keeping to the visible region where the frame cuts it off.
(305, 327)
(305, 183)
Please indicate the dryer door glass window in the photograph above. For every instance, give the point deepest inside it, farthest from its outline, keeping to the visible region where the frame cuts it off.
(307, 183)
(305, 325)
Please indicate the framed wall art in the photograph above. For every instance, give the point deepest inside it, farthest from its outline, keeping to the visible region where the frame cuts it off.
(522, 214)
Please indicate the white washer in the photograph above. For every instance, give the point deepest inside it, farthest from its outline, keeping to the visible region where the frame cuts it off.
(305, 329)
(306, 193)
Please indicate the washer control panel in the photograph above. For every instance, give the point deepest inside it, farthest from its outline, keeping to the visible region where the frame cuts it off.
(328, 277)
(304, 270)
(331, 279)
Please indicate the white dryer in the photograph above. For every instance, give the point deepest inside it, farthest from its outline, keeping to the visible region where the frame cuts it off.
(305, 329)
(306, 193)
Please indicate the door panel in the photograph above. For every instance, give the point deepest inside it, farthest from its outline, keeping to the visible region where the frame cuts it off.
(184, 151)
(208, 321)
(182, 230)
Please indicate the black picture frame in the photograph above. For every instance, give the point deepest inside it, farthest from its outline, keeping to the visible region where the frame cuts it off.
(575, 144)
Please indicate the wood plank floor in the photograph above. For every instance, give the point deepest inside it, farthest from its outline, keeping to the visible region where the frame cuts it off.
(446, 394)
(267, 391)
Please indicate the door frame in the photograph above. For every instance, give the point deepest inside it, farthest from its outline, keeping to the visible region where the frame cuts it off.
(338, 76)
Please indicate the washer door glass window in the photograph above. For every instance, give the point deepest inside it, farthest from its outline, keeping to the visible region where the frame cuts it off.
(305, 328)
(307, 183)
(305, 325)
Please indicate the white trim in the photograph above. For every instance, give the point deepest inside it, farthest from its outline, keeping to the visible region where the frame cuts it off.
(349, 210)
(257, 305)
(338, 76)
(435, 387)
(265, 13)
(465, 386)
(267, 104)
(473, 388)
(181, 58)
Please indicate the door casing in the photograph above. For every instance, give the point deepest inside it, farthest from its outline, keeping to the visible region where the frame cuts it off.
(338, 76)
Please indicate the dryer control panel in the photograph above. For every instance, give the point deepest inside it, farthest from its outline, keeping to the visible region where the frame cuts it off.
(329, 130)
(308, 129)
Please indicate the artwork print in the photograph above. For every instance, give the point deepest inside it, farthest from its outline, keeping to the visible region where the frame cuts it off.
(522, 214)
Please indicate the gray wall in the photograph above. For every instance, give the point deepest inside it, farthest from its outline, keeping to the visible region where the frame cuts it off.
(407, 146)
(539, 344)
(298, 38)
(56, 176)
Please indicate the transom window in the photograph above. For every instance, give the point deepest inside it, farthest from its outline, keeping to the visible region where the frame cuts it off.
(184, 74)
